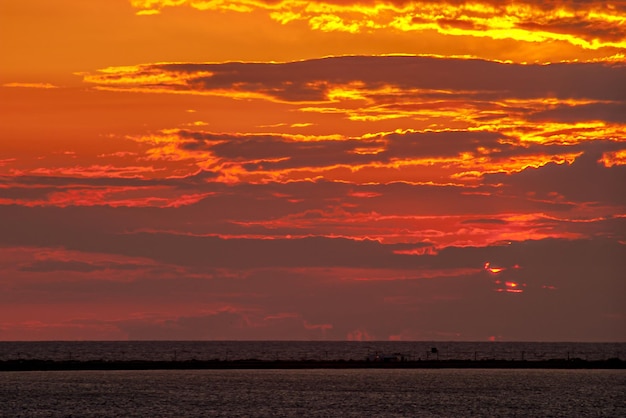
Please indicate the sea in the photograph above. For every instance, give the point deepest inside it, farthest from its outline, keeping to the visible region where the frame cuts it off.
(314, 393)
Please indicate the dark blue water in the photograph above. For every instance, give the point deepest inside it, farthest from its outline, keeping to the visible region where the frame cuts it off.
(315, 393)
(298, 350)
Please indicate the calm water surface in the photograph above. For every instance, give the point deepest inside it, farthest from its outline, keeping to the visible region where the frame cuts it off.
(319, 393)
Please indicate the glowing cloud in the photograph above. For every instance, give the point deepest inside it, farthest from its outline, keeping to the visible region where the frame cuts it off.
(240, 169)
(31, 85)
(588, 24)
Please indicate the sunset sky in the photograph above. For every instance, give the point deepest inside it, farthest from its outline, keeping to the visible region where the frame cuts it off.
(313, 170)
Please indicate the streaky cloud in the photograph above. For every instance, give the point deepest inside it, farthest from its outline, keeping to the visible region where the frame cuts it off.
(311, 80)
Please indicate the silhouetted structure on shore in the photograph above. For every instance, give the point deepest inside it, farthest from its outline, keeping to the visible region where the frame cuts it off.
(52, 365)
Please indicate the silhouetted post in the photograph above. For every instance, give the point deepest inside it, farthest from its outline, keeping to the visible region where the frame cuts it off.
(475, 355)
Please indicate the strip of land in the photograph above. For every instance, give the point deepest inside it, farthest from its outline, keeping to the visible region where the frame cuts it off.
(52, 365)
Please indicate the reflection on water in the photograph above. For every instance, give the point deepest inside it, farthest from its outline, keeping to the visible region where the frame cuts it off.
(328, 393)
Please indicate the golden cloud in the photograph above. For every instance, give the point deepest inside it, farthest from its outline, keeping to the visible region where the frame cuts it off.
(587, 24)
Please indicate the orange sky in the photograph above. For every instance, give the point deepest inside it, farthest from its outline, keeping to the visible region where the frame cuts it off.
(253, 169)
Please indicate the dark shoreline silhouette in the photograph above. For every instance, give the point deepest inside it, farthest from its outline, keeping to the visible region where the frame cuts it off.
(70, 365)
